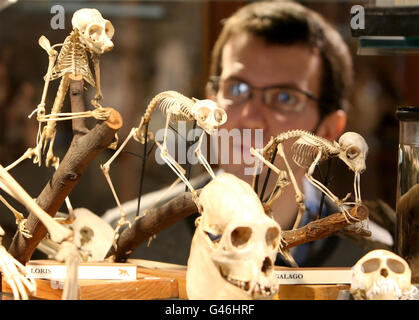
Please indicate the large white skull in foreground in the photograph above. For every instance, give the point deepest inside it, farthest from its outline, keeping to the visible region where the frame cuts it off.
(382, 275)
(234, 246)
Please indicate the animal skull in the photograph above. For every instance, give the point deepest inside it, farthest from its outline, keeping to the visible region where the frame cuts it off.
(92, 234)
(95, 31)
(208, 115)
(234, 246)
(354, 151)
(382, 275)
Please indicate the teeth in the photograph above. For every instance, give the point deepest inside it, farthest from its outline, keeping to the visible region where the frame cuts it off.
(252, 287)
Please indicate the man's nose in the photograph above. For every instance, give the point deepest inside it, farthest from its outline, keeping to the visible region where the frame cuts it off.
(253, 113)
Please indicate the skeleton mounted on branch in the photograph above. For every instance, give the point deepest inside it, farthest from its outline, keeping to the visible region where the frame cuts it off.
(307, 151)
(91, 34)
(176, 107)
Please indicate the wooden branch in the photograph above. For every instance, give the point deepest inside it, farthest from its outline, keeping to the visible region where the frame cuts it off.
(83, 149)
(154, 221)
(322, 228)
(180, 207)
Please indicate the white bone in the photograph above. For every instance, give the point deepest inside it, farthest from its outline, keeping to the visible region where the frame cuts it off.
(57, 232)
(309, 149)
(382, 275)
(239, 264)
(91, 33)
(14, 275)
(176, 107)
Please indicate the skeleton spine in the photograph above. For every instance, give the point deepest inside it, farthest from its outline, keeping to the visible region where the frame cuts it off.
(167, 100)
(329, 146)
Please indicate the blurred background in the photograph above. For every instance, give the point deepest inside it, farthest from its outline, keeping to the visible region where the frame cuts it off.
(165, 45)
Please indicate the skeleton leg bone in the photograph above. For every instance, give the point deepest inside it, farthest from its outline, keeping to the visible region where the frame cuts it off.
(299, 196)
(20, 219)
(14, 275)
(29, 153)
(48, 132)
(201, 158)
(281, 181)
(326, 191)
(105, 169)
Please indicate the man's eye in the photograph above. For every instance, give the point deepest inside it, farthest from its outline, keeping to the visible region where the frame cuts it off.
(286, 98)
(239, 89)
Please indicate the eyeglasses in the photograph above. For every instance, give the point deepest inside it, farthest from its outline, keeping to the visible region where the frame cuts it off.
(282, 99)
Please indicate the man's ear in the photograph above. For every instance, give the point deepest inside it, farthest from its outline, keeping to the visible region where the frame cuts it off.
(332, 125)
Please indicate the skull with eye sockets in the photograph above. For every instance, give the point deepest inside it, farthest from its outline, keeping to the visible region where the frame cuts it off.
(234, 246)
(382, 275)
(208, 115)
(354, 151)
(95, 31)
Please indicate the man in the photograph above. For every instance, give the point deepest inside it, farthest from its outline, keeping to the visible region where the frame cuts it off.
(279, 66)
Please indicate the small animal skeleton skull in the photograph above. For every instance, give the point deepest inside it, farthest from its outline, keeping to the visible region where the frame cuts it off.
(209, 115)
(382, 275)
(234, 246)
(354, 151)
(95, 31)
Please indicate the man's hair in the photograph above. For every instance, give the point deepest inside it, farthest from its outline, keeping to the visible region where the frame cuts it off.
(289, 23)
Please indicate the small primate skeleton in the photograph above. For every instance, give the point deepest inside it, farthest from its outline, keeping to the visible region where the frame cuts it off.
(307, 151)
(13, 271)
(176, 107)
(91, 33)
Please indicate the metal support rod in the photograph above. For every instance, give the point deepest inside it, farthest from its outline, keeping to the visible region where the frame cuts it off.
(268, 173)
(140, 191)
(188, 166)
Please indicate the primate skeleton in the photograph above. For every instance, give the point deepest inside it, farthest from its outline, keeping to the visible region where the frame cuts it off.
(176, 107)
(91, 33)
(307, 151)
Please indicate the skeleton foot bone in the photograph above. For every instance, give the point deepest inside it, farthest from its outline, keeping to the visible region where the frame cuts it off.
(14, 274)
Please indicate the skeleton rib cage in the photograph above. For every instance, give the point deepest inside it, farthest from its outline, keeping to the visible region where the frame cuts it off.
(306, 148)
(73, 59)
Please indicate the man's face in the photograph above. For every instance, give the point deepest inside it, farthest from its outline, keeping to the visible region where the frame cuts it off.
(250, 59)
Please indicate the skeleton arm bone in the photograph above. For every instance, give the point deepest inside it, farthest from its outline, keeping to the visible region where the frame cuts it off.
(325, 190)
(52, 57)
(57, 232)
(101, 114)
(99, 95)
